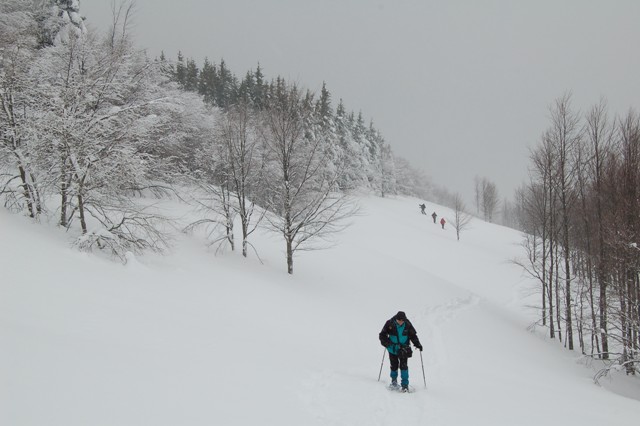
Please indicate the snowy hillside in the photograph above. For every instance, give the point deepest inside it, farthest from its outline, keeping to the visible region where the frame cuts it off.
(196, 339)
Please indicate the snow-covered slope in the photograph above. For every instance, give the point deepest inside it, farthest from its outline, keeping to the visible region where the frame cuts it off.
(196, 339)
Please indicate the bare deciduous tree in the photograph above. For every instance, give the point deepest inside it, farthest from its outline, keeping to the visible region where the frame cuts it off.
(477, 187)
(599, 133)
(489, 199)
(238, 135)
(564, 136)
(302, 195)
(461, 218)
(582, 226)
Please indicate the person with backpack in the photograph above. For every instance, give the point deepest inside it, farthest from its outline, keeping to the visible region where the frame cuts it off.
(442, 222)
(434, 216)
(422, 207)
(396, 334)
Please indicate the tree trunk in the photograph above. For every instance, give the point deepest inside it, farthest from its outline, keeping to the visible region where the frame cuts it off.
(83, 222)
(289, 256)
(568, 319)
(557, 288)
(544, 274)
(64, 202)
(27, 192)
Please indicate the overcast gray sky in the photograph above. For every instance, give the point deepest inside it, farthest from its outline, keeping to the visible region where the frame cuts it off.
(459, 87)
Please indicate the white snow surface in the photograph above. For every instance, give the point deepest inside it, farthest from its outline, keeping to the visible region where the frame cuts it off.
(194, 338)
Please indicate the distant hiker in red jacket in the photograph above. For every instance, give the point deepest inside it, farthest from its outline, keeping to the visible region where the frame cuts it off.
(442, 222)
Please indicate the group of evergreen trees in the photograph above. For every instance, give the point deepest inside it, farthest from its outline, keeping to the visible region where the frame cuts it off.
(370, 161)
(580, 214)
(218, 85)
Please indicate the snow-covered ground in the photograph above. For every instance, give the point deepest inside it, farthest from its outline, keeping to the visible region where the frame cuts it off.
(196, 339)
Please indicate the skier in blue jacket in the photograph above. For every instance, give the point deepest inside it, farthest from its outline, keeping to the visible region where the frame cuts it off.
(395, 336)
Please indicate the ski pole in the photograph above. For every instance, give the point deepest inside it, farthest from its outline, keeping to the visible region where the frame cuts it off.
(383, 354)
(423, 376)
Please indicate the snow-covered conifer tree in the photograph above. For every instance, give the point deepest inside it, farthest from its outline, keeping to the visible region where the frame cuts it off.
(59, 20)
(352, 176)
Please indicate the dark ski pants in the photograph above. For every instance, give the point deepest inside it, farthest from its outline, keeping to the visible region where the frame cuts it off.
(399, 361)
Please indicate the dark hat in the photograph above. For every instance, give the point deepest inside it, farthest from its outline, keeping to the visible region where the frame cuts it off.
(401, 316)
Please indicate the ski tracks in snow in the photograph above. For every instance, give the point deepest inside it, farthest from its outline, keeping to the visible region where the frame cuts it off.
(336, 398)
(435, 348)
